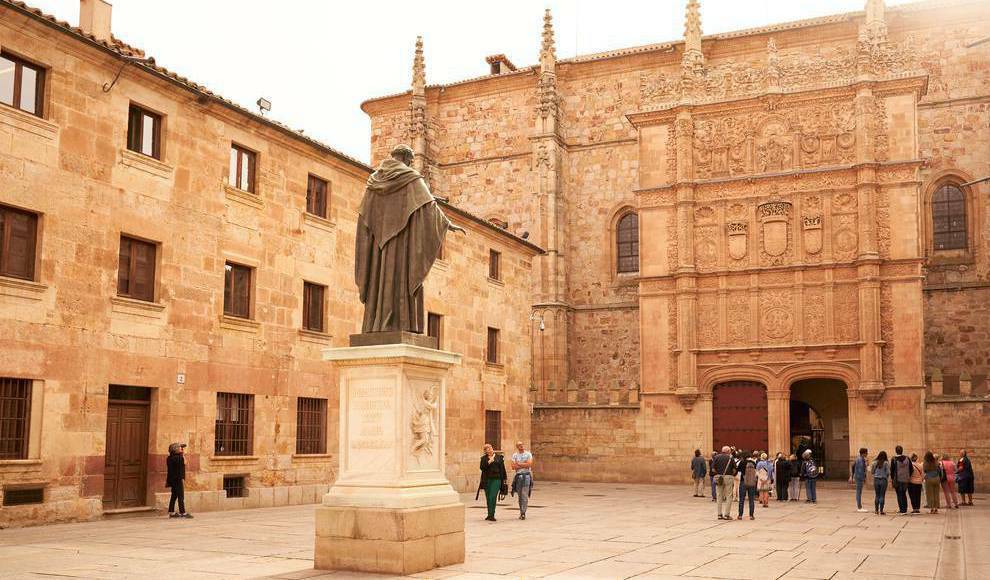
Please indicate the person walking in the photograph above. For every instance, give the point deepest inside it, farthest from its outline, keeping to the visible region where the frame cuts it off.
(857, 475)
(916, 483)
(782, 476)
(522, 482)
(737, 460)
(698, 469)
(900, 475)
(933, 479)
(949, 482)
(493, 478)
(880, 469)
(711, 472)
(747, 485)
(724, 468)
(810, 471)
(764, 479)
(175, 479)
(796, 480)
(965, 478)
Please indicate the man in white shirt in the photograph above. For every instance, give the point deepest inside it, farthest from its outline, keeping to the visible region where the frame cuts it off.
(522, 483)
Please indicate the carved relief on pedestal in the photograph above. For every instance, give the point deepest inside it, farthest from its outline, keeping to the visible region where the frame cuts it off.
(424, 422)
(775, 233)
(814, 315)
(708, 320)
(776, 315)
(737, 313)
(845, 308)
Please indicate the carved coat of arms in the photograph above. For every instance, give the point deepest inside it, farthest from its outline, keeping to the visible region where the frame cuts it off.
(775, 218)
(738, 239)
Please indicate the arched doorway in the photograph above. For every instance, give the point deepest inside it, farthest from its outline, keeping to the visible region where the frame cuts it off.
(819, 410)
(739, 415)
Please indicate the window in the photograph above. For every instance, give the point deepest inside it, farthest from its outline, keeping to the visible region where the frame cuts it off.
(493, 428)
(136, 270)
(234, 485)
(22, 84)
(311, 426)
(144, 132)
(18, 235)
(433, 325)
(235, 424)
(237, 290)
(23, 495)
(491, 353)
(627, 244)
(316, 196)
(15, 417)
(241, 168)
(313, 306)
(494, 265)
(949, 218)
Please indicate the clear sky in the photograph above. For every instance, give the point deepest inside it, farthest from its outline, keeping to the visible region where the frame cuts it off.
(317, 60)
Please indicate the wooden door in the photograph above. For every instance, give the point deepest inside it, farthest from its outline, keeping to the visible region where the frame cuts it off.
(126, 469)
(739, 415)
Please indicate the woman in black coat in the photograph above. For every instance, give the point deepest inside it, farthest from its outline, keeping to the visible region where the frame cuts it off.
(175, 479)
(782, 476)
(493, 478)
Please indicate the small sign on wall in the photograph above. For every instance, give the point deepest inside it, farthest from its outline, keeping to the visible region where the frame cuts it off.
(180, 378)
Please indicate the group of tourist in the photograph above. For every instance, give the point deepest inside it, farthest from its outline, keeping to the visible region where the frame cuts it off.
(909, 476)
(494, 478)
(738, 476)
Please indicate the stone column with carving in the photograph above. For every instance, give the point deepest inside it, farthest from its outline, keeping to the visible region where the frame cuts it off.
(417, 112)
(551, 226)
(391, 509)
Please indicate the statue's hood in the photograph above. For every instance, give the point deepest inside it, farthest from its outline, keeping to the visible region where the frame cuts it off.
(391, 176)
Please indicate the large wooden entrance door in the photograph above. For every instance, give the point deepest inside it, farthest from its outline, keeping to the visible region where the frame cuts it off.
(126, 469)
(739, 415)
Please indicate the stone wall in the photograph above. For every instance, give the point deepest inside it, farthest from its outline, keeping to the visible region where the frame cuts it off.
(955, 424)
(73, 336)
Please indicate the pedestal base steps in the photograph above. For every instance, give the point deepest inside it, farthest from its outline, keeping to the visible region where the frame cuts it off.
(389, 540)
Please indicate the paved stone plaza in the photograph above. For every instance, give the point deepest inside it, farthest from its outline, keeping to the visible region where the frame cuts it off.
(573, 531)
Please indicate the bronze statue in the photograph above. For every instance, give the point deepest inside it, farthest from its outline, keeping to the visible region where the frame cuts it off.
(399, 233)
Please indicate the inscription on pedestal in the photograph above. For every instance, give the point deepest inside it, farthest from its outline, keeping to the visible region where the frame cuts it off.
(371, 426)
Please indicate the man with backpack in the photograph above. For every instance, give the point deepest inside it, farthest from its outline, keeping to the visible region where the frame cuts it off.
(900, 475)
(747, 485)
(810, 470)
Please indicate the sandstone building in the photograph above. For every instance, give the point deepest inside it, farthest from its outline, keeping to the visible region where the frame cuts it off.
(172, 265)
(770, 237)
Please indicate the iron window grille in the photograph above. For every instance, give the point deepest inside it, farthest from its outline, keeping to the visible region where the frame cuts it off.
(311, 426)
(15, 417)
(23, 496)
(234, 486)
(234, 425)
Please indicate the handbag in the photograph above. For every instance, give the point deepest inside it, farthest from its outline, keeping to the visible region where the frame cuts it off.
(721, 477)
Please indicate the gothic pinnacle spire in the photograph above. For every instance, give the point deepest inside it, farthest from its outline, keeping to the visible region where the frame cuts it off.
(692, 27)
(548, 53)
(419, 69)
(876, 21)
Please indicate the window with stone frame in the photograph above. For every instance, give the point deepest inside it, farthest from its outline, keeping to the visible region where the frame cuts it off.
(237, 290)
(627, 244)
(434, 325)
(136, 269)
(234, 425)
(949, 228)
(493, 346)
(18, 242)
(494, 265)
(15, 417)
(22, 84)
(144, 132)
(242, 168)
(313, 307)
(311, 426)
(493, 428)
(317, 196)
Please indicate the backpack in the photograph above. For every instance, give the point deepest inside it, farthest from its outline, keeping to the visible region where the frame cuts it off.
(903, 470)
(810, 469)
(750, 475)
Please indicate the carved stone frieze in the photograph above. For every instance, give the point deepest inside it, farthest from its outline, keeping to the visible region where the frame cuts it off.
(845, 310)
(776, 315)
(814, 315)
(708, 320)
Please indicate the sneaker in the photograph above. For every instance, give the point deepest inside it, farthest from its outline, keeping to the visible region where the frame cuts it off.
(522, 516)
(188, 516)
(174, 515)
(861, 510)
(720, 517)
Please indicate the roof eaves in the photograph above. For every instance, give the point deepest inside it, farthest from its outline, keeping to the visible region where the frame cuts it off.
(490, 226)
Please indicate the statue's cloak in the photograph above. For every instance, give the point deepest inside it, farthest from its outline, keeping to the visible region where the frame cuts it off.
(399, 234)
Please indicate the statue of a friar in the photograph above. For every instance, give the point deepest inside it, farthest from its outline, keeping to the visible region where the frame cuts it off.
(399, 234)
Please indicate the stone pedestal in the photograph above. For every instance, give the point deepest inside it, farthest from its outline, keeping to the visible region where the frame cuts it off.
(391, 509)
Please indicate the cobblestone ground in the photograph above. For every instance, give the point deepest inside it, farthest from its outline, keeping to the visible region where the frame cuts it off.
(572, 531)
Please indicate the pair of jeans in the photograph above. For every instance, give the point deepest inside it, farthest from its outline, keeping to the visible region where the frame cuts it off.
(781, 490)
(745, 492)
(812, 495)
(914, 492)
(723, 495)
(523, 480)
(879, 494)
(713, 487)
(492, 487)
(901, 490)
(859, 493)
(178, 493)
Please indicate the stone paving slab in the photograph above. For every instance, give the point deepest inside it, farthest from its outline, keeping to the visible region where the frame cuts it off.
(580, 531)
